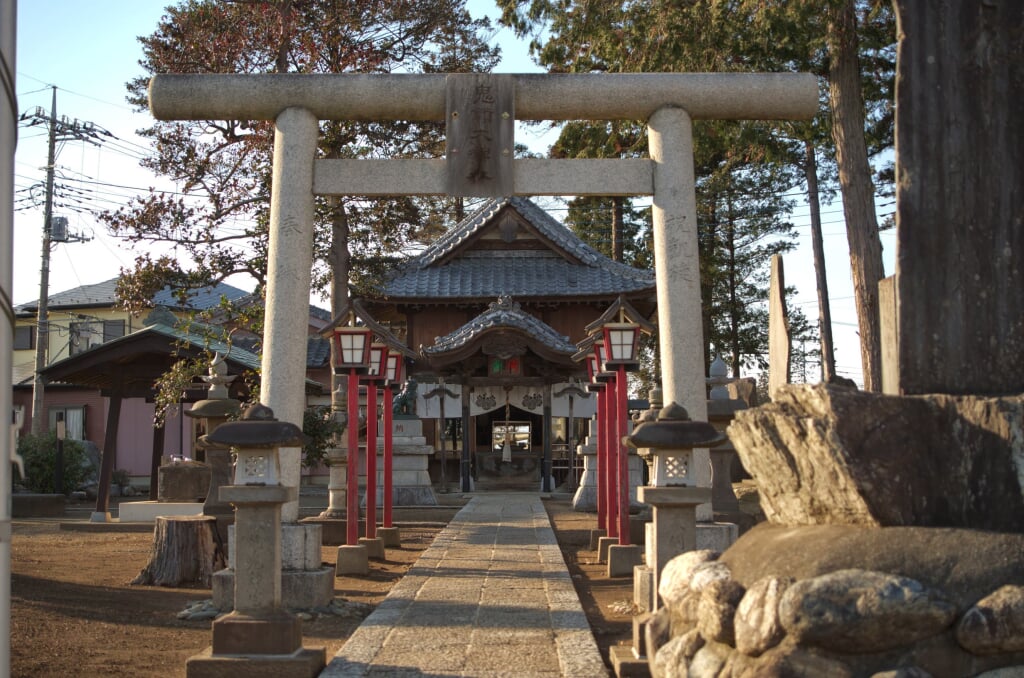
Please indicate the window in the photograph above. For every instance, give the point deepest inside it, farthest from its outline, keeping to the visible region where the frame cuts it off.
(74, 420)
(24, 337)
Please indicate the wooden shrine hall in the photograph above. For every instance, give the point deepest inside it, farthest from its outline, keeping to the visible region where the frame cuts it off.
(495, 309)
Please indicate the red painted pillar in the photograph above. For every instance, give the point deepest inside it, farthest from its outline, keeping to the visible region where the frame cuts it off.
(389, 443)
(352, 472)
(371, 459)
(602, 466)
(611, 453)
(621, 420)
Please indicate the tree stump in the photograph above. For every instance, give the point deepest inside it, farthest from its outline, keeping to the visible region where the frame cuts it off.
(186, 549)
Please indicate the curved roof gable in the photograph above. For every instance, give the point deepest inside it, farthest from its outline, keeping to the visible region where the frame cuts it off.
(502, 314)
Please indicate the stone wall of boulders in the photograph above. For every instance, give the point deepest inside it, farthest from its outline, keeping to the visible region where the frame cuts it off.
(824, 616)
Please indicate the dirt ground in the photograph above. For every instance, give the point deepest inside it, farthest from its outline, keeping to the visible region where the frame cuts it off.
(74, 613)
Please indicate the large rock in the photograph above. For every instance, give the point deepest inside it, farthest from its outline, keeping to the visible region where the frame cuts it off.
(995, 623)
(966, 565)
(863, 611)
(716, 610)
(674, 583)
(756, 625)
(834, 455)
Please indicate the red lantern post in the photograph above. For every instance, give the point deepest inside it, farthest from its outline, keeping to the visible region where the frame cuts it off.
(351, 348)
(378, 362)
(606, 417)
(620, 344)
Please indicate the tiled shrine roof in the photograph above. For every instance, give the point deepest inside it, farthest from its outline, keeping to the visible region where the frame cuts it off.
(452, 269)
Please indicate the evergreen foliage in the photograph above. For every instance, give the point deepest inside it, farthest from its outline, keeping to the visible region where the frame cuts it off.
(40, 455)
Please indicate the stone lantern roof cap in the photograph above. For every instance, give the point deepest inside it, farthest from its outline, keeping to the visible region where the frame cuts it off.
(674, 429)
(257, 428)
(215, 407)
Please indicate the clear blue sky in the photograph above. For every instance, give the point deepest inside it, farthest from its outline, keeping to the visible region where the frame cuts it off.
(89, 51)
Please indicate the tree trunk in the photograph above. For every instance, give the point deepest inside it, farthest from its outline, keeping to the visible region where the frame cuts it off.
(858, 190)
(186, 550)
(828, 356)
(618, 228)
(959, 203)
(338, 260)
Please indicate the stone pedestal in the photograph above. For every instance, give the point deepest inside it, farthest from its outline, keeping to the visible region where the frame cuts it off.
(721, 411)
(374, 547)
(353, 559)
(337, 463)
(622, 558)
(219, 461)
(644, 593)
(391, 536)
(305, 582)
(673, 524)
(187, 481)
(410, 480)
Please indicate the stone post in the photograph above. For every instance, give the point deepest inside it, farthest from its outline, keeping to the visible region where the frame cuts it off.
(336, 459)
(259, 637)
(585, 498)
(677, 270)
(305, 582)
(721, 410)
(288, 279)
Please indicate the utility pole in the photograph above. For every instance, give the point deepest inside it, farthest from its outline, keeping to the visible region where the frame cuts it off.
(65, 129)
(42, 314)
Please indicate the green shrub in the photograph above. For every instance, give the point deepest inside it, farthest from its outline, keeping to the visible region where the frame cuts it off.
(320, 429)
(40, 455)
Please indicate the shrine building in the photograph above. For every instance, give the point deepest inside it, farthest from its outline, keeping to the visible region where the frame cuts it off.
(495, 309)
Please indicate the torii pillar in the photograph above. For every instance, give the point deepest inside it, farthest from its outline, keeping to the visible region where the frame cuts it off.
(669, 101)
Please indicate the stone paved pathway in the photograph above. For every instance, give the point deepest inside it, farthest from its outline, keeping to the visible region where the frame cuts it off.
(491, 597)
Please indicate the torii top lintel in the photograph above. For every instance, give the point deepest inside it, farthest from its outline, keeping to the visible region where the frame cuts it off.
(605, 96)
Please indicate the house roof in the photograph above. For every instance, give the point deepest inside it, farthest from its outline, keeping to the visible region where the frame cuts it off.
(565, 266)
(104, 294)
(130, 365)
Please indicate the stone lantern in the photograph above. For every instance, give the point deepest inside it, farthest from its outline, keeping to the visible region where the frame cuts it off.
(259, 637)
(673, 493)
(215, 410)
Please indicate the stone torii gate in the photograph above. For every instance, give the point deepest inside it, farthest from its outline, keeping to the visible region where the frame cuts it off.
(480, 112)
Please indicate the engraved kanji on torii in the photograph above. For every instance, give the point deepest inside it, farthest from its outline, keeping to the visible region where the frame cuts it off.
(482, 165)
